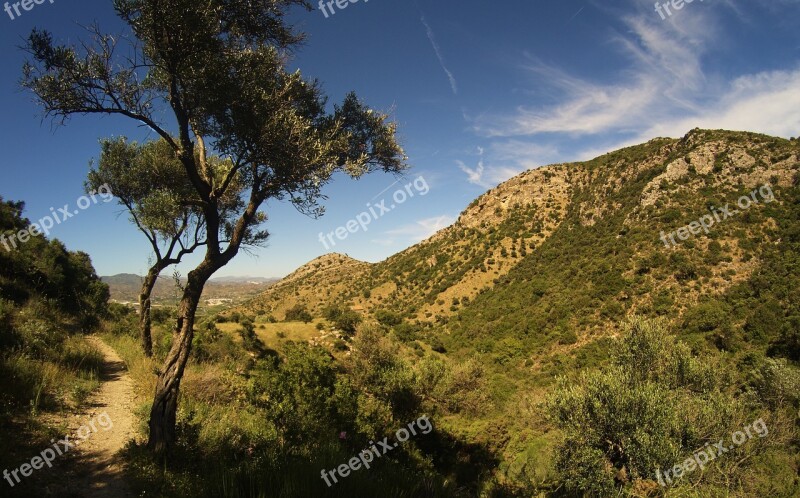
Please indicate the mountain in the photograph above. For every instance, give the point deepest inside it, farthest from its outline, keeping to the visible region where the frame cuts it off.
(245, 280)
(125, 287)
(555, 256)
(580, 330)
(315, 284)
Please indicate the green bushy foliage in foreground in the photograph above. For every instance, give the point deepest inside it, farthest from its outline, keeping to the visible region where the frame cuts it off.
(49, 297)
(269, 426)
(657, 403)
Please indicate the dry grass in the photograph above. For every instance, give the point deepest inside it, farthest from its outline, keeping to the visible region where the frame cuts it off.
(273, 335)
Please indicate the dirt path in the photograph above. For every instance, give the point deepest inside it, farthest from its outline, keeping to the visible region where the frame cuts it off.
(97, 471)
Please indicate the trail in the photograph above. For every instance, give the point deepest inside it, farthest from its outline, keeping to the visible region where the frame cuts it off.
(96, 470)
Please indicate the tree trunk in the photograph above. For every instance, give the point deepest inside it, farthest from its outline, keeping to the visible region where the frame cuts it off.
(144, 309)
(165, 403)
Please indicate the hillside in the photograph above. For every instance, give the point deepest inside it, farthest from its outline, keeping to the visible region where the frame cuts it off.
(314, 285)
(566, 248)
(599, 274)
(50, 298)
(575, 332)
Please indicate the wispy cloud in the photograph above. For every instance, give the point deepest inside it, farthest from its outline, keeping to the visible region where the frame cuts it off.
(474, 175)
(575, 15)
(523, 154)
(432, 38)
(665, 91)
(507, 158)
(662, 80)
(419, 230)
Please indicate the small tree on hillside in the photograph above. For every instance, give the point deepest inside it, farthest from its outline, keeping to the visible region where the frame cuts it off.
(219, 69)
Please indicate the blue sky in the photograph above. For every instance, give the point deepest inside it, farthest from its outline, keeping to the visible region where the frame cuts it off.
(481, 91)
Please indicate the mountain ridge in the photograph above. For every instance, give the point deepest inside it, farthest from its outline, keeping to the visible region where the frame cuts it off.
(656, 183)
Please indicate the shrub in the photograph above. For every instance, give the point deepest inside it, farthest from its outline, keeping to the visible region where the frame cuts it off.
(163, 315)
(462, 389)
(298, 393)
(788, 343)
(250, 340)
(388, 318)
(7, 334)
(777, 383)
(436, 344)
(377, 371)
(653, 404)
(347, 320)
(406, 332)
(706, 317)
(210, 344)
(298, 313)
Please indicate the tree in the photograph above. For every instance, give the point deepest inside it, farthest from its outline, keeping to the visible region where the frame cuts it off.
(45, 268)
(148, 180)
(219, 69)
(348, 320)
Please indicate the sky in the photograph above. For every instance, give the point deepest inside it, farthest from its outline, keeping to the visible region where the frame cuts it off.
(481, 91)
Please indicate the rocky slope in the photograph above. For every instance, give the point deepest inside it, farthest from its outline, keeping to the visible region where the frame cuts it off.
(560, 253)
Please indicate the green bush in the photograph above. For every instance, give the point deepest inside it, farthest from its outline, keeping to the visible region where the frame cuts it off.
(462, 389)
(388, 318)
(406, 332)
(384, 381)
(163, 315)
(651, 406)
(298, 313)
(250, 340)
(210, 344)
(347, 321)
(706, 317)
(7, 335)
(298, 394)
(777, 384)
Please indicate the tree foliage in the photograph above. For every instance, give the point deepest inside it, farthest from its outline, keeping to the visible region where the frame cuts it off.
(220, 69)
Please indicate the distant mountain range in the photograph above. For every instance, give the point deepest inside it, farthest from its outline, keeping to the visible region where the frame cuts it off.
(125, 287)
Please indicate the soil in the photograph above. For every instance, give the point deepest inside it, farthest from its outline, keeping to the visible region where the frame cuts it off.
(95, 469)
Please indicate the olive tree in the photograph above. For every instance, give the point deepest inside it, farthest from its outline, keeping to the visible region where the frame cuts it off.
(212, 76)
(148, 181)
